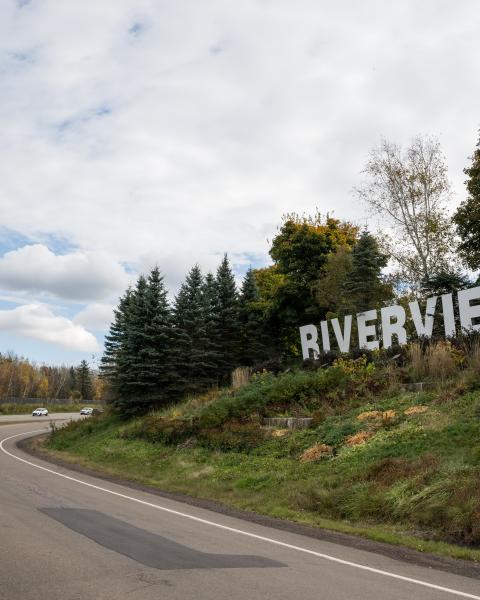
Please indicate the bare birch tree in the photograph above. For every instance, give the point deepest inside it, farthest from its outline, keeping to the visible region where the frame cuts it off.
(410, 189)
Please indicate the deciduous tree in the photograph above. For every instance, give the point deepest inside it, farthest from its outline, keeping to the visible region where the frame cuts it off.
(410, 189)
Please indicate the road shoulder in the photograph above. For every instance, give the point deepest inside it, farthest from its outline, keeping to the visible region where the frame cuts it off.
(32, 446)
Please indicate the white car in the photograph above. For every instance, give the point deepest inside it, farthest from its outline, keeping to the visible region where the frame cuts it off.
(40, 412)
(86, 411)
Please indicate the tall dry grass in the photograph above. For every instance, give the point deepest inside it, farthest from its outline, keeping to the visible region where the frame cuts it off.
(240, 377)
(474, 357)
(438, 361)
(417, 360)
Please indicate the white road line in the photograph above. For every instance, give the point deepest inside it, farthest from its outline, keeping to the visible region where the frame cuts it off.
(233, 529)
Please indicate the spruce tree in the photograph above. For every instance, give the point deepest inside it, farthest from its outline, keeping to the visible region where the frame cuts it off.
(252, 347)
(84, 380)
(114, 342)
(158, 340)
(226, 320)
(365, 286)
(143, 360)
(467, 217)
(193, 361)
(72, 383)
(209, 298)
(129, 385)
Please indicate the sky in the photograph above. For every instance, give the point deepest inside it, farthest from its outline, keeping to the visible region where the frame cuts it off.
(143, 132)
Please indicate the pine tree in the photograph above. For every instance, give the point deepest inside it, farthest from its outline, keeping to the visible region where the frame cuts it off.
(253, 339)
(467, 217)
(226, 320)
(365, 287)
(194, 358)
(84, 380)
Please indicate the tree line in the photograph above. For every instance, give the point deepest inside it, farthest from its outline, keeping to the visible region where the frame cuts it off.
(19, 378)
(158, 352)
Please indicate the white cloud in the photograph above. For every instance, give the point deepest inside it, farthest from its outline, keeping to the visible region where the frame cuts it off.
(183, 130)
(38, 322)
(96, 317)
(77, 276)
(199, 129)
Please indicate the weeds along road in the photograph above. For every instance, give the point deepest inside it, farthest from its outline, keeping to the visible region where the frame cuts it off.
(69, 536)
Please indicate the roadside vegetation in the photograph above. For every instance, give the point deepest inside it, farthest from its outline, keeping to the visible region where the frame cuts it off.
(378, 459)
(383, 456)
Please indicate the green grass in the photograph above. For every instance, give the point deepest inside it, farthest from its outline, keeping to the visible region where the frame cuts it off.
(413, 483)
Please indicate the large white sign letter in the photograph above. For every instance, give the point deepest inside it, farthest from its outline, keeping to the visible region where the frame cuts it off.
(367, 331)
(424, 328)
(396, 328)
(343, 341)
(309, 339)
(469, 312)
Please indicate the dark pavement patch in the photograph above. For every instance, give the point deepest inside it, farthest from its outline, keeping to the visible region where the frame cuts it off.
(149, 549)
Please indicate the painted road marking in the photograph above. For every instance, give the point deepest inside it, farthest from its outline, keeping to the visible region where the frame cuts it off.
(334, 559)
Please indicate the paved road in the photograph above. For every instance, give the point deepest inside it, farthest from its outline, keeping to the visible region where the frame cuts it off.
(7, 419)
(65, 536)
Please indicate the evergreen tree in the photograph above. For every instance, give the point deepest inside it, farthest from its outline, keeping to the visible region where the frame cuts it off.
(72, 383)
(445, 282)
(84, 380)
(226, 320)
(129, 386)
(365, 286)
(115, 340)
(193, 356)
(209, 297)
(253, 338)
(467, 217)
(143, 374)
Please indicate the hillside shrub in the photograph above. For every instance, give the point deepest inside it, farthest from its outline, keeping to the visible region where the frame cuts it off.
(233, 436)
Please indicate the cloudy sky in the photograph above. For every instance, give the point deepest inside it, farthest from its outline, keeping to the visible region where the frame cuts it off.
(136, 132)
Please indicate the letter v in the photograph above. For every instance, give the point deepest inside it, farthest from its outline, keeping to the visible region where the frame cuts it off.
(424, 328)
(343, 341)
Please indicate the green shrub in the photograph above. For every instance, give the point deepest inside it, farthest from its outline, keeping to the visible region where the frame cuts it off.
(233, 436)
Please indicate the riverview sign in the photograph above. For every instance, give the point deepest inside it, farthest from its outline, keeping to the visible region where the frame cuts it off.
(374, 329)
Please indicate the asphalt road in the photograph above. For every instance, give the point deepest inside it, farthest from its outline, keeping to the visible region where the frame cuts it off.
(70, 536)
(7, 419)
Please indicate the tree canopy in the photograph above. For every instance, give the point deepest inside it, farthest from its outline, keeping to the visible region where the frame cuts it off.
(467, 217)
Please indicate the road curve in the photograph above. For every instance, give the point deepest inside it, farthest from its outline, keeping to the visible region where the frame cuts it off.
(67, 536)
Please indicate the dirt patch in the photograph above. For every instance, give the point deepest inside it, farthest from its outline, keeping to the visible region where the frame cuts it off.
(369, 415)
(361, 437)
(316, 452)
(415, 410)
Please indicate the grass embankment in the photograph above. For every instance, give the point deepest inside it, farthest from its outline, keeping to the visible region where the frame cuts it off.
(391, 465)
(11, 408)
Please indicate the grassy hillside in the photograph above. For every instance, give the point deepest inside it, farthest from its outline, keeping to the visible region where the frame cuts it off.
(394, 465)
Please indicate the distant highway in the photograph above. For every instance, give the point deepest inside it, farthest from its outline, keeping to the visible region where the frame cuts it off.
(69, 536)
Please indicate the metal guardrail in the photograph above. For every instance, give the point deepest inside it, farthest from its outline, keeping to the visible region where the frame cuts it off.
(13, 400)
